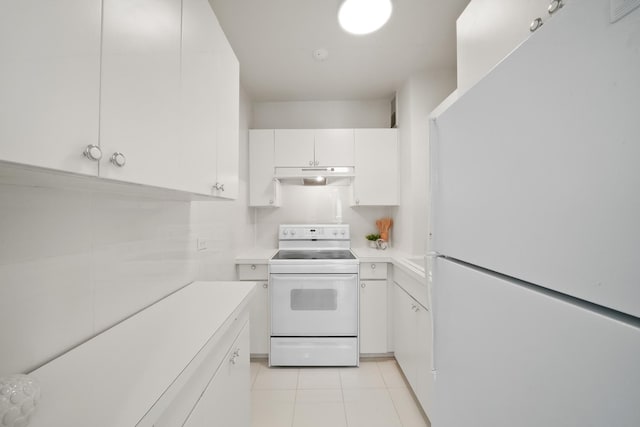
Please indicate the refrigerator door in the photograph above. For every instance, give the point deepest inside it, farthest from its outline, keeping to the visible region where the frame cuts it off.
(508, 354)
(535, 168)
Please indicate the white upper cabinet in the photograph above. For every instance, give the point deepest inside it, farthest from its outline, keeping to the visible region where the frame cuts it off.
(152, 85)
(140, 92)
(49, 82)
(313, 148)
(263, 189)
(377, 175)
(334, 147)
(228, 118)
(199, 92)
(294, 147)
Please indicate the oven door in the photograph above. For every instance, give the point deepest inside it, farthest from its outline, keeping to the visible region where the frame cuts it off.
(314, 304)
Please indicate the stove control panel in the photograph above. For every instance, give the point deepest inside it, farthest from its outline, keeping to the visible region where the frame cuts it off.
(314, 232)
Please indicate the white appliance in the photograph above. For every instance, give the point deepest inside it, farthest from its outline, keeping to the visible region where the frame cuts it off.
(314, 297)
(535, 224)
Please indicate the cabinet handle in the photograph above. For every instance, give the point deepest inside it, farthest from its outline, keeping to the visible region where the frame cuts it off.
(316, 163)
(555, 6)
(234, 356)
(118, 159)
(265, 285)
(363, 285)
(253, 266)
(535, 24)
(92, 152)
(218, 186)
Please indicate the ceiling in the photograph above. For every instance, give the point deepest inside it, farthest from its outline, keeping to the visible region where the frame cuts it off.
(274, 41)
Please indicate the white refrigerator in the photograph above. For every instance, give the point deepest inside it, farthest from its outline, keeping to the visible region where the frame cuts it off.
(535, 232)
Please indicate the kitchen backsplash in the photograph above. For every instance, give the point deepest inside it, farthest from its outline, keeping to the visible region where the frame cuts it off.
(303, 205)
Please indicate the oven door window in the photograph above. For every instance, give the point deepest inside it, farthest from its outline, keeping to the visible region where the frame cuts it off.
(314, 299)
(314, 304)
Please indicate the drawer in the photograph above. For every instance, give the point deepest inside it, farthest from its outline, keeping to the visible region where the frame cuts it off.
(373, 270)
(253, 272)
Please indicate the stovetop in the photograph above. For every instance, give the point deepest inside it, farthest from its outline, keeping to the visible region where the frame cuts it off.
(313, 254)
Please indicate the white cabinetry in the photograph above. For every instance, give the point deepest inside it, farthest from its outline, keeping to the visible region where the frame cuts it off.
(226, 399)
(263, 189)
(373, 308)
(259, 309)
(50, 82)
(376, 167)
(152, 85)
(413, 338)
(140, 91)
(313, 148)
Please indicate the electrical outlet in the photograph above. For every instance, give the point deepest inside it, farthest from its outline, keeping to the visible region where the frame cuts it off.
(201, 244)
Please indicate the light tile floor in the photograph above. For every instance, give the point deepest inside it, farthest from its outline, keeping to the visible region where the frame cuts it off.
(375, 394)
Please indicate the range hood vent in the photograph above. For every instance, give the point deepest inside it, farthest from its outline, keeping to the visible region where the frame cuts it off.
(315, 176)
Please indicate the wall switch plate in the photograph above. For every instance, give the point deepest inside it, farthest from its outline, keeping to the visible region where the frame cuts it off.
(201, 244)
(620, 8)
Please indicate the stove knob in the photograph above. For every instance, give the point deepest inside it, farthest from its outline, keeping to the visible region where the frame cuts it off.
(342, 232)
(285, 232)
(293, 232)
(335, 232)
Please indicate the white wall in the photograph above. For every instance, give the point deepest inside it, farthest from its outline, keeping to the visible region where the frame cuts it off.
(322, 114)
(74, 262)
(317, 204)
(488, 30)
(416, 99)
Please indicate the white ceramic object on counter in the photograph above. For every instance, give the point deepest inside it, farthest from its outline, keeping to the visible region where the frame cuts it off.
(19, 395)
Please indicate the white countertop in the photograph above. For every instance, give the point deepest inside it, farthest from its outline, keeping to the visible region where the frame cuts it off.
(114, 378)
(364, 254)
(256, 256)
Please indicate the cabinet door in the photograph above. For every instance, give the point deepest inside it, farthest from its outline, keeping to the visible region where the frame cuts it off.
(403, 330)
(226, 400)
(50, 82)
(424, 355)
(199, 92)
(376, 162)
(334, 147)
(373, 316)
(140, 96)
(259, 320)
(228, 113)
(262, 191)
(294, 147)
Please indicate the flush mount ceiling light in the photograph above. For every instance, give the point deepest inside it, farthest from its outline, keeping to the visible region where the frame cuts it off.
(364, 16)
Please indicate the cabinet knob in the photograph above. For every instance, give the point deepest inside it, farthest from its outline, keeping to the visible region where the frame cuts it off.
(357, 201)
(555, 6)
(373, 266)
(270, 201)
(118, 159)
(363, 285)
(92, 152)
(265, 285)
(535, 24)
(253, 266)
(316, 163)
(310, 162)
(218, 186)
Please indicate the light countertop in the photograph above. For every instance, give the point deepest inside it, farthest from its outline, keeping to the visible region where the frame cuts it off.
(116, 377)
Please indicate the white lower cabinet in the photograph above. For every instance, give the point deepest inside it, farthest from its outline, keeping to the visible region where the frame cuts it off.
(259, 309)
(413, 341)
(259, 315)
(373, 316)
(226, 400)
(218, 392)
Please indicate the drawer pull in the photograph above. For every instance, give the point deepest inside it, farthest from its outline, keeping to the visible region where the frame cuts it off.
(253, 266)
(373, 266)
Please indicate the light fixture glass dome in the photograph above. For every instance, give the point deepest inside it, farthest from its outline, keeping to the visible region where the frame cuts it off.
(364, 16)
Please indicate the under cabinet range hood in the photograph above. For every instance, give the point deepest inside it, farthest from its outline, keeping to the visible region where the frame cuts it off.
(334, 175)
